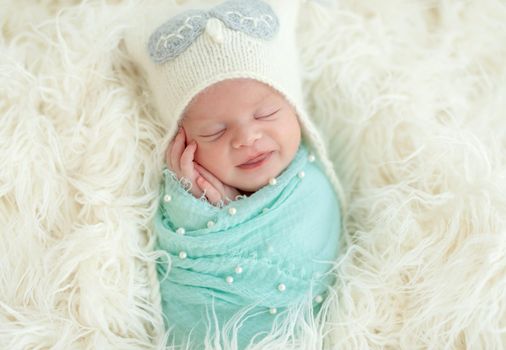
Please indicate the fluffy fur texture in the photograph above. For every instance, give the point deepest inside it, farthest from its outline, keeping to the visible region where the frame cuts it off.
(410, 96)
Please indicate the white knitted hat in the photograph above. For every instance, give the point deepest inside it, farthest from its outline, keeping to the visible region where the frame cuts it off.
(185, 49)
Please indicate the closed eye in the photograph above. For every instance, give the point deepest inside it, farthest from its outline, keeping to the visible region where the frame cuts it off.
(218, 133)
(267, 115)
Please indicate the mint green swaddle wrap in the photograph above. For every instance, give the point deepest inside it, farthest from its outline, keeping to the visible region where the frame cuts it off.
(265, 252)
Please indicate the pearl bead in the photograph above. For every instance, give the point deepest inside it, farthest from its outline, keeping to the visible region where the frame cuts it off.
(238, 269)
(318, 299)
(232, 211)
(301, 175)
(229, 279)
(311, 158)
(182, 255)
(273, 310)
(210, 223)
(273, 181)
(281, 287)
(265, 210)
(167, 198)
(181, 231)
(269, 248)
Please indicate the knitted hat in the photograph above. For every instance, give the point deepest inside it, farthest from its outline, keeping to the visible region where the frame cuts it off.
(185, 49)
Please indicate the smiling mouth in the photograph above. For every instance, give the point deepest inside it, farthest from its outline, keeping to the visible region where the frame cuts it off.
(256, 162)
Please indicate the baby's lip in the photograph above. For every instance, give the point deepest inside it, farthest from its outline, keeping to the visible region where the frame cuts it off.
(255, 158)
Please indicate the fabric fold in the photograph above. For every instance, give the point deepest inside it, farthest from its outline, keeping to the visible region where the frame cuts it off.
(271, 252)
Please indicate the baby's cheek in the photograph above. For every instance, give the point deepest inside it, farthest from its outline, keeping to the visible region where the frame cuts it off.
(208, 157)
(202, 155)
(198, 154)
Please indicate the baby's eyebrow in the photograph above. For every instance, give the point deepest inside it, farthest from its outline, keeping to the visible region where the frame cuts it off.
(204, 123)
(196, 118)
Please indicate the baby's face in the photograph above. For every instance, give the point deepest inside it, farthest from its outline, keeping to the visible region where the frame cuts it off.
(246, 132)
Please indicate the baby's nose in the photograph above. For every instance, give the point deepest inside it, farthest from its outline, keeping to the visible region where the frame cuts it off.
(246, 137)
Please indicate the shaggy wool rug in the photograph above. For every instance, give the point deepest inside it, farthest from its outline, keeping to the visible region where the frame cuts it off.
(410, 97)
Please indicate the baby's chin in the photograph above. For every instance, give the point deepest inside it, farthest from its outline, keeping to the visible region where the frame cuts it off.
(251, 188)
(255, 183)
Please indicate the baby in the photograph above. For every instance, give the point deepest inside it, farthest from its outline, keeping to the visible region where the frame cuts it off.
(249, 213)
(236, 137)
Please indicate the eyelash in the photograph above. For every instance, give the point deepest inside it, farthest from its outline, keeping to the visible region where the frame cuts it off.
(215, 134)
(267, 116)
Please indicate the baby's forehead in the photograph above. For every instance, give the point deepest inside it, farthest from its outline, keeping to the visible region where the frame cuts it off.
(221, 100)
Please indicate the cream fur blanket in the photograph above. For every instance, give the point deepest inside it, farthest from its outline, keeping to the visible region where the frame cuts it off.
(411, 96)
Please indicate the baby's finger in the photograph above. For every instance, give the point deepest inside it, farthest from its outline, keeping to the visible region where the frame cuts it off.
(177, 149)
(186, 163)
(212, 194)
(213, 180)
(167, 154)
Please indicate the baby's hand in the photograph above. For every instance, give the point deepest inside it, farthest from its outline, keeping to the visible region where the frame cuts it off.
(214, 189)
(179, 158)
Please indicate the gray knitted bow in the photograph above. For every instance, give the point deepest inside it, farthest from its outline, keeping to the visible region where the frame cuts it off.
(253, 17)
